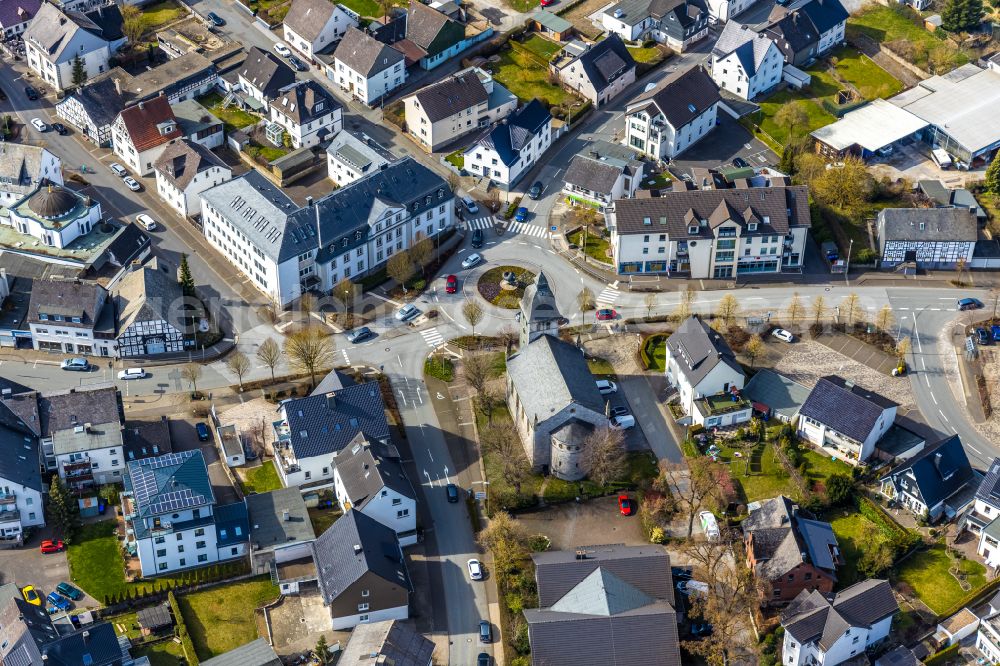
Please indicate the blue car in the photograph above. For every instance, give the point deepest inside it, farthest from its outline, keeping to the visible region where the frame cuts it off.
(995, 330)
(203, 433)
(522, 214)
(58, 602)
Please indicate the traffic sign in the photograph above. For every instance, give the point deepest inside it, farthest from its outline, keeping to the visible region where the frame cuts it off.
(553, 228)
(480, 495)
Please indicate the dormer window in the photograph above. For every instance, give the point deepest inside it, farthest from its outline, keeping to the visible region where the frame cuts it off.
(693, 229)
(647, 220)
(752, 226)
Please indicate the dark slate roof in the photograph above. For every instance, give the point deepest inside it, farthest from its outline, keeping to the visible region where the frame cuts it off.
(814, 617)
(66, 409)
(364, 54)
(845, 407)
(698, 349)
(13, 12)
(269, 526)
(538, 303)
(266, 72)
(155, 617)
(782, 539)
(681, 97)
(646, 568)
(99, 648)
(677, 212)
(549, 374)
(254, 653)
(304, 101)
(232, 525)
(127, 245)
(19, 455)
(452, 95)
(159, 484)
(938, 471)
(606, 62)
(777, 392)
(353, 546)
(793, 33)
(825, 14)
(509, 136)
(939, 224)
(109, 21)
(989, 487)
(593, 175)
(387, 642)
(431, 30)
(307, 18)
(365, 469)
(321, 425)
(77, 298)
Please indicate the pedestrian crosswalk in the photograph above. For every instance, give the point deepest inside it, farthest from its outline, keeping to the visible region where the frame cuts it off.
(607, 297)
(432, 337)
(522, 228)
(347, 359)
(481, 223)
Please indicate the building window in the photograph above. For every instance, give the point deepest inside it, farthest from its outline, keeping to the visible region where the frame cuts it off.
(402, 514)
(396, 501)
(235, 551)
(199, 532)
(162, 552)
(199, 544)
(180, 548)
(203, 558)
(364, 593)
(362, 607)
(159, 539)
(163, 566)
(363, 618)
(183, 561)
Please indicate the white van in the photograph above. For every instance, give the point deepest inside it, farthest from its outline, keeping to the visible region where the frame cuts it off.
(709, 525)
(941, 158)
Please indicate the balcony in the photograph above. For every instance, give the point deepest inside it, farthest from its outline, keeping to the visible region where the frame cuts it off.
(722, 403)
(10, 516)
(281, 431)
(7, 498)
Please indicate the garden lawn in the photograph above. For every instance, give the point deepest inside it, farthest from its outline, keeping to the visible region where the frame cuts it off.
(364, 7)
(542, 47)
(597, 246)
(861, 72)
(522, 5)
(232, 118)
(601, 368)
(271, 153)
(885, 24)
(818, 116)
(768, 478)
(222, 618)
(456, 159)
(656, 352)
(659, 181)
(851, 530)
(527, 79)
(261, 479)
(652, 55)
(164, 653)
(162, 13)
(927, 573)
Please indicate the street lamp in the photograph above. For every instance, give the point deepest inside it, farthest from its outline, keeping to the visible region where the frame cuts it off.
(486, 505)
(847, 268)
(569, 121)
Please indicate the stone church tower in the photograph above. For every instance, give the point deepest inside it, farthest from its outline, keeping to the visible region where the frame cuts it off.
(539, 313)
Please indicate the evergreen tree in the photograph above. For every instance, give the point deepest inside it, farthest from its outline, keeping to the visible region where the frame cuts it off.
(186, 281)
(992, 181)
(63, 508)
(79, 72)
(959, 15)
(322, 650)
(787, 164)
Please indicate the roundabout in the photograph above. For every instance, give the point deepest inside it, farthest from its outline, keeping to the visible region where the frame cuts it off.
(503, 286)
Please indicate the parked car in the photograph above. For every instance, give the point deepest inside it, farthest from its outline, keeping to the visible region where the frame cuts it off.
(249, 453)
(624, 422)
(51, 546)
(521, 215)
(969, 304)
(483, 659)
(485, 632)
(58, 602)
(982, 337)
(39, 125)
(740, 163)
(30, 595)
(475, 569)
(470, 205)
(282, 50)
(473, 259)
(31, 93)
(203, 433)
(452, 492)
(60, 129)
(407, 312)
(216, 20)
(688, 587)
(477, 238)
(451, 284)
(606, 386)
(118, 169)
(995, 330)
(625, 505)
(618, 411)
(536, 190)
(131, 373)
(145, 221)
(68, 590)
(606, 314)
(360, 335)
(76, 364)
(133, 184)
(297, 64)
(546, 3)
(783, 335)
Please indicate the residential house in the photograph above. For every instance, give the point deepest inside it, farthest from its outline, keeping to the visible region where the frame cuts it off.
(603, 173)
(198, 125)
(673, 116)
(745, 62)
(831, 629)
(362, 572)
(464, 102)
(361, 226)
(92, 109)
(789, 551)
(86, 437)
(982, 519)
(845, 419)
(807, 31)
(29, 636)
(370, 478)
(146, 439)
(432, 37)
(590, 597)
(312, 430)
(16, 16)
(21, 488)
(955, 629)
(255, 653)
(551, 393)
(598, 72)
(183, 171)
(704, 370)
(775, 396)
(56, 39)
(308, 113)
(23, 168)
(711, 233)
(933, 238)
(366, 68)
(726, 10)
(945, 197)
(352, 155)
(387, 642)
(512, 146)
(72, 317)
(933, 483)
(281, 537)
(173, 518)
(676, 23)
(153, 315)
(141, 133)
(312, 26)
(262, 75)
(900, 656)
(180, 79)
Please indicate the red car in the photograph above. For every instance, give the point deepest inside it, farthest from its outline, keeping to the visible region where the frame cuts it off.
(607, 314)
(625, 505)
(547, 3)
(451, 284)
(50, 546)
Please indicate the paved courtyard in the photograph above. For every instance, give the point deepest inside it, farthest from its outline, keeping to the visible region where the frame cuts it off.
(587, 524)
(298, 621)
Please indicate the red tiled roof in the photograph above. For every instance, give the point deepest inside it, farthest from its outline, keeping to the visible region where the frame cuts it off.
(141, 121)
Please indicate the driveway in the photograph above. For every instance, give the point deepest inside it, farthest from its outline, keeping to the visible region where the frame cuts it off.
(722, 145)
(297, 622)
(587, 524)
(184, 438)
(27, 565)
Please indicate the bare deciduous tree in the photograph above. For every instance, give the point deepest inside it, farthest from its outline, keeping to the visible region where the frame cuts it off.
(269, 353)
(795, 308)
(507, 539)
(422, 253)
(885, 319)
(255, 437)
(728, 309)
(192, 371)
(477, 370)
(507, 335)
(691, 486)
(650, 300)
(238, 363)
(400, 268)
(502, 439)
(684, 306)
(849, 308)
(307, 305)
(818, 309)
(604, 455)
(754, 348)
(586, 300)
(309, 350)
(473, 314)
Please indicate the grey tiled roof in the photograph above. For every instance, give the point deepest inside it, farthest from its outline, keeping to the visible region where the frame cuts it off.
(78, 298)
(304, 102)
(353, 546)
(815, 617)
(66, 409)
(989, 487)
(777, 392)
(901, 656)
(593, 175)
(841, 405)
(365, 469)
(52, 31)
(150, 294)
(19, 456)
(606, 62)
(681, 97)
(646, 568)
(100, 643)
(939, 224)
(782, 539)
(270, 526)
(101, 100)
(154, 617)
(20, 166)
(364, 54)
(321, 425)
(182, 160)
(452, 95)
(549, 374)
(387, 642)
(146, 439)
(307, 18)
(266, 72)
(749, 46)
(254, 653)
(431, 30)
(698, 350)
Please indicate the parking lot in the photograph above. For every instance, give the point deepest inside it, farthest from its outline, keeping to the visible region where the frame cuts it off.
(590, 523)
(28, 566)
(722, 145)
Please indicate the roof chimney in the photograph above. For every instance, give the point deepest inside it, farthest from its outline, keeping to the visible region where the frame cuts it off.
(357, 549)
(286, 516)
(331, 400)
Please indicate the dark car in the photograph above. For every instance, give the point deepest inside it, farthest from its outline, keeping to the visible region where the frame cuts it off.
(477, 238)
(536, 190)
(969, 304)
(68, 590)
(740, 163)
(216, 20)
(297, 64)
(60, 129)
(249, 453)
(452, 491)
(982, 336)
(360, 335)
(485, 632)
(483, 659)
(522, 214)
(995, 330)
(701, 629)
(31, 93)
(202, 430)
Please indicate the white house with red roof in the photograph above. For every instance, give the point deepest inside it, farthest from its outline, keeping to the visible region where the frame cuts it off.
(140, 133)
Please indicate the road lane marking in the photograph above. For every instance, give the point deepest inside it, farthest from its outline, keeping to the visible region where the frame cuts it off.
(974, 449)
(934, 399)
(943, 416)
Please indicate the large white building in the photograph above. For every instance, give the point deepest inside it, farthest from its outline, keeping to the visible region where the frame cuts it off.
(308, 113)
(55, 39)
(676, 23)
(173, 518)
(353, 155)
(22, 169)
(676, 114)
(366, 68)
(746, 63)
(312, 26)
(287, 250)
(845, 419)
(717, 233)
(53, 214)
(511, 147)
(183, 171)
